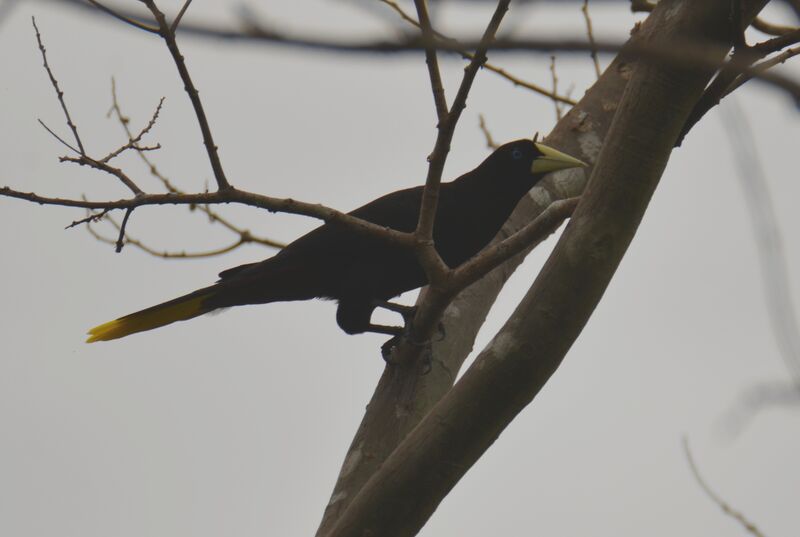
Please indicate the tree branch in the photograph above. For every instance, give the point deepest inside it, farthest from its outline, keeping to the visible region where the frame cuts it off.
(488, 66)
(722, 504)
(167, 33)
(507, 375)
(740, 66)
(59, 93)
(245, 236)
(165, 254)
(231, 195)
(590, 35)
(429, 258)
(430, 59)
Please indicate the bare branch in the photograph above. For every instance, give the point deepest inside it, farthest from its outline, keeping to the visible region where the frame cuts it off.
(133, 141)
(727, 509)
(127, 19)
(528, 237)
(59, 138)
(590, 35)
(740, 65)
(429, 258)
(490, 143)
(208, 140)
(92, 217)
(431, 60)
(554, 78)
(245, 236)
(179, 16)
(165, 254)
(488, 66)
(121, 238)
(59, 94)
(761, 67)
(85, 160)
(679, 52)
(231, 195)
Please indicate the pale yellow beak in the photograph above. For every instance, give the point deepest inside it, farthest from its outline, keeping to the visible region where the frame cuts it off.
(552, 160)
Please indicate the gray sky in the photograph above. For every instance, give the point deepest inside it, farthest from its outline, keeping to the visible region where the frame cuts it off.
(236, 424)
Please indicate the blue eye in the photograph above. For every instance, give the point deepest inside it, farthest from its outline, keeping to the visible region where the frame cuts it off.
(516, 154)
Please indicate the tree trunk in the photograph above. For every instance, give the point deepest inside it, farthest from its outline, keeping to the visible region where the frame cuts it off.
(394, 477)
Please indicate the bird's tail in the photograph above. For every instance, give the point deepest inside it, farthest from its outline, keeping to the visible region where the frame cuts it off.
(179, 309)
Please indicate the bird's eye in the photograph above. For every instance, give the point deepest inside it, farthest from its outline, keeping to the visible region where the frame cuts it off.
(516, 154)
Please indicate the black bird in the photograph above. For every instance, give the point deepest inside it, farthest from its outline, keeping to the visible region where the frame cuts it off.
(362, 272)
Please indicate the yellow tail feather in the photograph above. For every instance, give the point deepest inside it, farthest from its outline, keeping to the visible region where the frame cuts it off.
(148, 319)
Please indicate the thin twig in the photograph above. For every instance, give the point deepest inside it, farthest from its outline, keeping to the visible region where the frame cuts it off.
(245, 236)
(179, 16)
(488, 66)
(762, 66)
(679, 53)
(127, 19)
(432, 61)
(85, 160)
(740, 65)
(59, 93)
(133, 141)
(727, 509)
(121, 238)
(92, 217)
(231, 195)
(59, 138)
(165, 254)
(590, 34)
(554, 78)
(490, 143)
(211, 148)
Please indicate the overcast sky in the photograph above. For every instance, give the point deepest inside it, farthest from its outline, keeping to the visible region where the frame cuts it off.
(236, 424)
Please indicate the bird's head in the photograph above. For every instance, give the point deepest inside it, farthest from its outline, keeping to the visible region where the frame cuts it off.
(525, 157)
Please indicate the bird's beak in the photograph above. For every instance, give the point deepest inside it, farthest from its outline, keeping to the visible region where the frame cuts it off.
(552, 160)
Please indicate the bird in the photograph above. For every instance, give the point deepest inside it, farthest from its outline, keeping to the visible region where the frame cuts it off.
(363, 272)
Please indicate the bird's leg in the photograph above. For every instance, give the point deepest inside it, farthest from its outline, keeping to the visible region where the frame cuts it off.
(397, 333)
(407, 312)
(383, 329)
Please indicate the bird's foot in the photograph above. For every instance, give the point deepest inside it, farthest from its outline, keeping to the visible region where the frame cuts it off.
(387, 349)
(426, 351)
(408, 313)
(403, 335)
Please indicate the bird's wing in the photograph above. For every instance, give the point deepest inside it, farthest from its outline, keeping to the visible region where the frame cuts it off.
(398, 210)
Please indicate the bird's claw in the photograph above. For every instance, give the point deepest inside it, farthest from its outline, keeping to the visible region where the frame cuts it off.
(389, 348)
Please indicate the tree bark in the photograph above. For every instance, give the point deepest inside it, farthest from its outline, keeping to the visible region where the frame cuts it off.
(405, 490)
